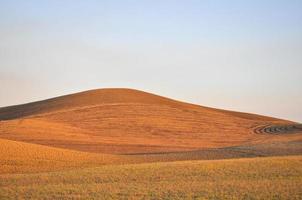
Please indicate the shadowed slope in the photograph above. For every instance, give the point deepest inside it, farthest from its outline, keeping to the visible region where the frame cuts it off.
(125, 121)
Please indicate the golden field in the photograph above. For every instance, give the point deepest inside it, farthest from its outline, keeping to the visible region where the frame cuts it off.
(20, 157)
(129, 144)
(255, 178)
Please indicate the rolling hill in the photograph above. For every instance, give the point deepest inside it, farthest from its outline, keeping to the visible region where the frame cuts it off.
(129, 144)
(127, 121)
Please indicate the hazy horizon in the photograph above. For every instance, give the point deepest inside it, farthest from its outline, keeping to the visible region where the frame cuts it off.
(243, 56)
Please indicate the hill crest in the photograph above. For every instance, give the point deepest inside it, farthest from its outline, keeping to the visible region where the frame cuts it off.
(106, 96)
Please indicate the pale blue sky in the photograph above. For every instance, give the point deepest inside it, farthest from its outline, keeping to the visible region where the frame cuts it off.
(242, 55)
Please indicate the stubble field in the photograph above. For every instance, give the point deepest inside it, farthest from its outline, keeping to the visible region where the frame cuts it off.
(128, 144)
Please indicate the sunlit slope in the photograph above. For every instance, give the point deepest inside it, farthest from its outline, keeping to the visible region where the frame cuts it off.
(126, 121)
(83, 99)
(20, 157)
(102, 97)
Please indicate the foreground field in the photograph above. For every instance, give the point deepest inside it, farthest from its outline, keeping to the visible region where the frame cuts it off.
(254, 178)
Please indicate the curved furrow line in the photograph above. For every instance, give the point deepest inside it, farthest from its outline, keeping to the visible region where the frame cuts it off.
(278, 129)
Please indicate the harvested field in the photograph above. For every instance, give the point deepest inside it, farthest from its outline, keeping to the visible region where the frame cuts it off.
(128, 144)
(20, 157)
(256, 178)
(124, 121)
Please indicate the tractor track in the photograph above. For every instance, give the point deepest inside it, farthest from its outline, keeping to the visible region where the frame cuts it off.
(278, 129)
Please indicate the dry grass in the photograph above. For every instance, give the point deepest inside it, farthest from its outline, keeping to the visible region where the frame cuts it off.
(257, 178)
(20, 157)
(76, 130)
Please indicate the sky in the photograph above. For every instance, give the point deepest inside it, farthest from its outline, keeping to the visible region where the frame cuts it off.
(231, 54)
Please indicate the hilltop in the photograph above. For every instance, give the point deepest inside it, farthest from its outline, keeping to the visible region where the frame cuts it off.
(127, 121)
